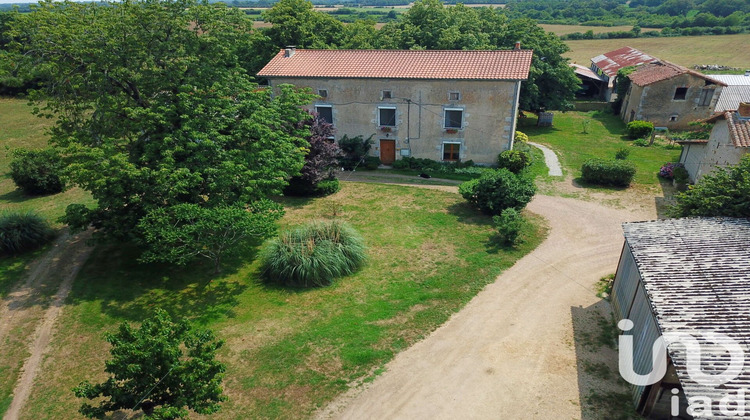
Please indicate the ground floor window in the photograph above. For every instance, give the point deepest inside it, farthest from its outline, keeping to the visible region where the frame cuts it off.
(451, 151)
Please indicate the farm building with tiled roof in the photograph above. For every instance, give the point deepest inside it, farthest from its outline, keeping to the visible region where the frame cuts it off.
(669, 95)
(440, 105)
(728, 143)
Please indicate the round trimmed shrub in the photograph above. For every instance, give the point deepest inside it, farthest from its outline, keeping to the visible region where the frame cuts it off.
(639, 129)
(498, 190)
(20, 232)
(622, 153)
(619, 173)
(514, 160)
(37, 172)
(327, 187)
(313, 255)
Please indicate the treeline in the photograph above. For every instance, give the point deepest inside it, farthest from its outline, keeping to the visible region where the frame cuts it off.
(674, 14)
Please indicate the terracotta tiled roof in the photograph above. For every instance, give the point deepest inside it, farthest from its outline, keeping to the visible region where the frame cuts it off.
(613, 61)
(739, 128)
(659, 70)
(401, 64)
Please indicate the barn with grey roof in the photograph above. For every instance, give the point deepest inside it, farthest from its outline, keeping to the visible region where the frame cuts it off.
(687, 276)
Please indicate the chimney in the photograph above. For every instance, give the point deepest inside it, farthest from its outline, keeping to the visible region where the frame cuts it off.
(517, 46)
(289, 50)
(744, 110)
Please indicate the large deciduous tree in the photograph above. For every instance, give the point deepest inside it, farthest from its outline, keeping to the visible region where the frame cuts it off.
(163, 368)
(154, 107)
(430, 25)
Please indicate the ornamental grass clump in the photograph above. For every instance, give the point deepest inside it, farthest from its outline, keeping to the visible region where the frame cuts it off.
(20, 232)
(313, 255)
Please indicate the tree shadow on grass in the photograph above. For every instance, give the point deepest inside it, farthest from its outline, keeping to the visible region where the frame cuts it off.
(17, 196)
(611, 122)
(129, 290)
(467, 214)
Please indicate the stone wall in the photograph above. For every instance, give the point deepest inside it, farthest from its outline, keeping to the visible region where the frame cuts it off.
(488, 109)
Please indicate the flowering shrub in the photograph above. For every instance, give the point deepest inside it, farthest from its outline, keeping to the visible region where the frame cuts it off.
(667, 170)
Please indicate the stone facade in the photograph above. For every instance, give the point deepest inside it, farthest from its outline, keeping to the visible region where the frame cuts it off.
(440, 119)
(671, 103)
(720, 151)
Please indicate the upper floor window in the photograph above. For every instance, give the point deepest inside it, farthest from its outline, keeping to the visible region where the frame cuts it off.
(386, 94)
(706, 95)
(680, 93)
(323, 93)
(454, 118)
(387, 116)
(454, 96)
(325, 113)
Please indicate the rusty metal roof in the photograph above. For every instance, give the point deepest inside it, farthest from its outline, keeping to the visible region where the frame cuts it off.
(585, 72)
(402, 64)
(613, 61)
(696, 273)
(659, 70)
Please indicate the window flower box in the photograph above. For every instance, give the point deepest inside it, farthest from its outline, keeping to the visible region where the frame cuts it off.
(386, 129)
(451, 130)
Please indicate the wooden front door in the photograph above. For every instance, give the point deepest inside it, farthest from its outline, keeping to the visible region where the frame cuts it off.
(387, 151)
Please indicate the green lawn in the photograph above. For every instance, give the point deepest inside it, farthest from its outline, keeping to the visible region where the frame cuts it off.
(605, 136)
(22, 129)
(289, 351)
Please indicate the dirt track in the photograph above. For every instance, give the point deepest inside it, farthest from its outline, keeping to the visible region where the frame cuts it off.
(510, 352)
(59, 266)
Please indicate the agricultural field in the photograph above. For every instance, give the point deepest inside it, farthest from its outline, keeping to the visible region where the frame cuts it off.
(727, 50)
(560, 30)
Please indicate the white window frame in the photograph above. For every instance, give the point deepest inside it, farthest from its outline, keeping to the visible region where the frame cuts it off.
(454, 92)
(442, 151)
(395, 116)
(325, 106)
(445, 119)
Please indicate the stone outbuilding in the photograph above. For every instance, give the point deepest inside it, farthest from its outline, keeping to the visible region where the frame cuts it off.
(439, 105)
(669, 95)
(729, 141)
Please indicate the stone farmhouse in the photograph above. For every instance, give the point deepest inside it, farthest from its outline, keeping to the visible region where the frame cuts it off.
(669, 95)
(439, 105)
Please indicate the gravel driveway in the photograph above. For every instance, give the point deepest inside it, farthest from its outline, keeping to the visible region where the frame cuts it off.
(510, 353)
